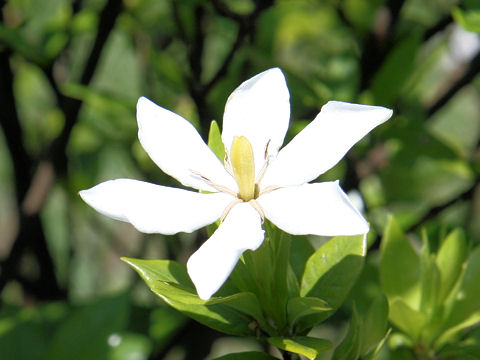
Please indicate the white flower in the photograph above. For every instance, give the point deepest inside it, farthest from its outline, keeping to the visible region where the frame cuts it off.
(256, 181)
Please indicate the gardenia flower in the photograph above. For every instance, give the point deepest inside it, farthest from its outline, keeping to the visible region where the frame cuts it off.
(256, 180)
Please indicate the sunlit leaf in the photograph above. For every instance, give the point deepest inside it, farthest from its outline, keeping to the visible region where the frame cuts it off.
(399, 266)
(333, 269)
(303, 345)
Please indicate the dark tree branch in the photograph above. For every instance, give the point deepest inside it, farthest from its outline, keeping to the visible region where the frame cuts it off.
(198, 90)
(31, 237)
(438, 27)
(71, 107)
(379, 41)
(10, 125)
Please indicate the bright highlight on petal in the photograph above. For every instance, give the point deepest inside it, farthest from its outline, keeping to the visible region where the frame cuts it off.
(156, 209)
(241, 157)
(316, 209)
(324, 142)
(213, 262)
(258, 109)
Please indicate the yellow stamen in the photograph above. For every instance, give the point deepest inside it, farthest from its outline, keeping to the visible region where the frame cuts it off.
(241, 156)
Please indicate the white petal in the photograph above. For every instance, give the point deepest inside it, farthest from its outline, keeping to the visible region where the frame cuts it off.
(324, 142)
(213, 262)
(316, 209)
(176, 147)
(258, 109)
(156, 209)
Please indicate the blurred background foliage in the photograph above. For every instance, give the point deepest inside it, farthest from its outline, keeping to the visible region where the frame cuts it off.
(70, 75)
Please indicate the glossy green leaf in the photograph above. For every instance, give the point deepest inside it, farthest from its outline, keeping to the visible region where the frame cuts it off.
(301, 307)
(303, 345)
(333, 269)
(215, 141)
(375, 324)
(450, 258)
(407, 319)
(399, 266)
(169, 280)
(249, 355)
(350, 347)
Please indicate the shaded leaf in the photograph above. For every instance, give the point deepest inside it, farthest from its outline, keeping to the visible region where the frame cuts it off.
(300, 307)
(170, 281)
(349, 348)
(250, 355)
(375, 324)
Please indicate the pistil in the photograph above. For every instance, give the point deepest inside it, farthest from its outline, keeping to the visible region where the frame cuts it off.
(241, 157)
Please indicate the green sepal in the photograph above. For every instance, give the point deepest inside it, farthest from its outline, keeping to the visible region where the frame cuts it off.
(235, 314)
(249, 355)
(332, 270)
(303, 345)
(215, 141)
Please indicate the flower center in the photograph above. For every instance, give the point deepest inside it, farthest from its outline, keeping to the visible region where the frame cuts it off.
(241, 157)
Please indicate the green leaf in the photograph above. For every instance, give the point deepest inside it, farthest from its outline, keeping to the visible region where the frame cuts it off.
(215, 141)
(303, 345)
(375, 324)
(84, 334)
(450, 258)
(170, 281)
(300, 307)
(250, 355)
(430, 281)
(407, 319)
(451, 334)
(333, 269)
(395, 70)
(469, 20)
(399, 266)
(349, 348)
(303, 249)
(372, 355)
(465, 298)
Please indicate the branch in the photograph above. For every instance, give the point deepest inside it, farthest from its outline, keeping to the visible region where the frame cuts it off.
(31, 192)
(379, 41)
(71, 107)
(31, 236)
